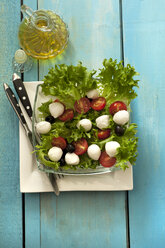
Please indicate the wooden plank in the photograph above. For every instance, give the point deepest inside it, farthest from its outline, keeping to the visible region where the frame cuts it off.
(94, 28)
(10, 196)
(32, 201)
(32, 220)
(85, 219)
(32, 75)
(144, 36)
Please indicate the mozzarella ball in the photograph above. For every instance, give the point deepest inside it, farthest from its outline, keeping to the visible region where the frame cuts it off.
(72, 158)
(111, 148)
(43, 127)
(93, 94)
(102, 121)
(55, 153)
(85, 123)
(121, 117)
(56, 109)
(94, 152)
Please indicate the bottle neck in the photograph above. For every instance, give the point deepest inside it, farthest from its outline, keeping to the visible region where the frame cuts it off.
(41, 20)
(20, 56)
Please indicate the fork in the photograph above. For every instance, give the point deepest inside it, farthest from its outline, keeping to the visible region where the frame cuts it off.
(23, 96)
(13, 101)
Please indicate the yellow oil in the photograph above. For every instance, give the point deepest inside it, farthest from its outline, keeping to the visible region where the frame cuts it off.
(41, 40)
(41, 23)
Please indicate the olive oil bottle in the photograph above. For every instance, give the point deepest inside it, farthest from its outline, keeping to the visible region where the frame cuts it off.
(42, 34)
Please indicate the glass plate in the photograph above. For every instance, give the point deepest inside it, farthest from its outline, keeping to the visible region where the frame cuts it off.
(40, 98)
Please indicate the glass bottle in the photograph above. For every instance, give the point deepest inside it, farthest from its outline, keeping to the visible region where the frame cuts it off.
(21, 62)
(42, 33)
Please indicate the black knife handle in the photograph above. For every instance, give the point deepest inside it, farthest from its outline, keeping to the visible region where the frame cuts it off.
(23, 96)
(15, 104)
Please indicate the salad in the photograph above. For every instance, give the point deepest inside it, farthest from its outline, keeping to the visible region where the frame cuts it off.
(88, 125)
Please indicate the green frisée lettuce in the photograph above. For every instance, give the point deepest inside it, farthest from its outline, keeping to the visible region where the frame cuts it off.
(117, 82)
(73, 82)
(128, 147)
(69, 83)
(44, 108)
(86, 162)
(42, 156)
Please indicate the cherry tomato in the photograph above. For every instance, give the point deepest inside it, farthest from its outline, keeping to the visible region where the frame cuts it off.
(81, 146)
(67, 115)
(57, 100)
(117, 106)
(59, 142)
(98, 103)
(82, 105)
(106, 161)
(104, 134)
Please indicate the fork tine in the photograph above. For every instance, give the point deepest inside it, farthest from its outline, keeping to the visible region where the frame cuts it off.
(60, 176)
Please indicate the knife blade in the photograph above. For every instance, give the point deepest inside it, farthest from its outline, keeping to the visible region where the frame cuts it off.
(14, 103)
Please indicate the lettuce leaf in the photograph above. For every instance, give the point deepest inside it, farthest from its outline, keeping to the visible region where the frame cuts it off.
(44, 108)
(128, 147)
(43, 157)
(69, 83)
(117, 82)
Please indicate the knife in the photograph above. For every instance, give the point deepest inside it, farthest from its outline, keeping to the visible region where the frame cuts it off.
(22, 94)
(14, 103)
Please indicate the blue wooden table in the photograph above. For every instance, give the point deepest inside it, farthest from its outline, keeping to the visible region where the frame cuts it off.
(133, 31)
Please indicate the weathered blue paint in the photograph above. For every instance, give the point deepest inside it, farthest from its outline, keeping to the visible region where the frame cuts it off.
(94, 28)
(10, 196)
(32, 221)
(144, 43)
(91, 219)
(32, 75)
(85, 219)
(32, 201)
